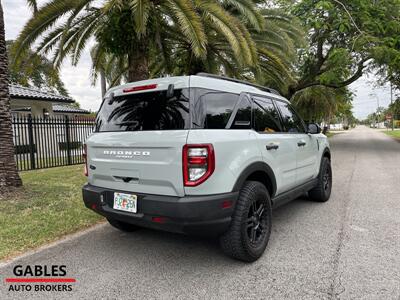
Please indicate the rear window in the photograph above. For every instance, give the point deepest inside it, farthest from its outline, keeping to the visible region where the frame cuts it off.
(145, 111)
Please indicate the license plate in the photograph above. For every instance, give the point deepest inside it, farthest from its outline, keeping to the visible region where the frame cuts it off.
(125, 202)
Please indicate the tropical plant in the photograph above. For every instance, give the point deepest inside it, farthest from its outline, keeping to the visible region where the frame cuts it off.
(320, 103)
(275, 45)
(8, 169)
(35, 70)
(130, 29)
(346, 39)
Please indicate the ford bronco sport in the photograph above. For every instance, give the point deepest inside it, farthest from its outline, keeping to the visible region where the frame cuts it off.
(203, 155)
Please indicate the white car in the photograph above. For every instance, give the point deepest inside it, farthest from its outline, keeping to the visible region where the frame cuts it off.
(203, 155)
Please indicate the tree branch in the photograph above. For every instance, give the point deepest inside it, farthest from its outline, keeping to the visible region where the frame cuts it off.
(359, 72)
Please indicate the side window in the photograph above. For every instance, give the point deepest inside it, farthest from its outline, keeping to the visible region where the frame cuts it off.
(266, 118)
(291, 121)
(218, 107)
(243, 115)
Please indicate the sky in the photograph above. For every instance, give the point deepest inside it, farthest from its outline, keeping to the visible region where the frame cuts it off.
(77, 79)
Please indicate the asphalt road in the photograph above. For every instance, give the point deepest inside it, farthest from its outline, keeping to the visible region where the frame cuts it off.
(347, 248)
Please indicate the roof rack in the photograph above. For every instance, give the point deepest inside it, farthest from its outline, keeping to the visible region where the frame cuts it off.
(263, 88)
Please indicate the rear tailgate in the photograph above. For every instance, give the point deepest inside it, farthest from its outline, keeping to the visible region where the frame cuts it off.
(138, 161)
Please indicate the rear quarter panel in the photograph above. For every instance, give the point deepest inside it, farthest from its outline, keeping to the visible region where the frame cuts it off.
(234, 151)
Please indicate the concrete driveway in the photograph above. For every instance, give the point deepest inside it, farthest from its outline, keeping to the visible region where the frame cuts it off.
(347, 248)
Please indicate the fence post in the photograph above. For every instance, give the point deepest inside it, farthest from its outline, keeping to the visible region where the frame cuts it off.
(31, 143)
(68, 138)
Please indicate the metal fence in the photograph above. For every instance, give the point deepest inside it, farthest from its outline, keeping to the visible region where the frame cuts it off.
(49, 142)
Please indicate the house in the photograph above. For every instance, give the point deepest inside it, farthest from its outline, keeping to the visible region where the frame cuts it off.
(38, 103)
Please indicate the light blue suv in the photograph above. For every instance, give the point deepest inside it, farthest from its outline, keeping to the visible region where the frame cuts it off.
(203, 155)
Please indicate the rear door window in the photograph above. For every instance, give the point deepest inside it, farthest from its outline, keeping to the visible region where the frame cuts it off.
(212, 109)
(145, 111)
(266, 117)
(243, 115)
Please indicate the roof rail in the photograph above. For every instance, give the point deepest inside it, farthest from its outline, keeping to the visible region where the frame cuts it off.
(263, 88)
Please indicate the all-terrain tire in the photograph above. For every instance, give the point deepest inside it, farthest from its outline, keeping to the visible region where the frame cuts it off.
(253, 213)
(322, 192)
(122, 225)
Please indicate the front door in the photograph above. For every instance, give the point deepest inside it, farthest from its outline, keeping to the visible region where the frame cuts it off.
(278, 148)
(306, 144)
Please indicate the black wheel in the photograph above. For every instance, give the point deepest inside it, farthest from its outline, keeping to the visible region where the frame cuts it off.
(122, 225)
(248, 234)
(322, 192)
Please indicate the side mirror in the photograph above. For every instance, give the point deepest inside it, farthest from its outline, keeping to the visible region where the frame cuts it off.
(313, 128)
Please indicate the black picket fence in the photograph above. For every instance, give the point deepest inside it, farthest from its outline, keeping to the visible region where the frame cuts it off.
(49, 142)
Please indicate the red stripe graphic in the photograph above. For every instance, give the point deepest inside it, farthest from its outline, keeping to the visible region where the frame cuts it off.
(33, 279)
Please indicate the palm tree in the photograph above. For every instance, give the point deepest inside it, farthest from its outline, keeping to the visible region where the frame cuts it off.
(131, 28)
(8, 169)
(275, 46)
(320, 103)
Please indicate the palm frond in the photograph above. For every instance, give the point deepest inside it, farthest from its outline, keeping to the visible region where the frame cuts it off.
(44, 19)
(248, 11)
(140, 11)
(191, 24)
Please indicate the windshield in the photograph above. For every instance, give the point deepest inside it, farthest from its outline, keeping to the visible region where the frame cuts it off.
(145, 111)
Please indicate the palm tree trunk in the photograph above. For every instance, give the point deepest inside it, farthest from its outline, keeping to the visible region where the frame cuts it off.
(8, 169)
(138, 68)
(103, 83)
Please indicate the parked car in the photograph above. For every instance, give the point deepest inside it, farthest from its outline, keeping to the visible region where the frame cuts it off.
(202, 155)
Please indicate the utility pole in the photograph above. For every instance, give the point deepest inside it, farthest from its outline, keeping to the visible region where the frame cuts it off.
(377, 111)
(391, 103)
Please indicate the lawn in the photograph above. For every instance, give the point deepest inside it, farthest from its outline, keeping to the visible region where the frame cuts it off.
(47, 207)
(395, 133)
(331, 134)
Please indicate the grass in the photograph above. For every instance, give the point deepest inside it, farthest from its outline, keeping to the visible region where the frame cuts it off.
(330, 134)
(25, 164)
(395, 133)
(47, 207)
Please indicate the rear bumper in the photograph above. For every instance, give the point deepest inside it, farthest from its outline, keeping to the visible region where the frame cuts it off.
(199, 215)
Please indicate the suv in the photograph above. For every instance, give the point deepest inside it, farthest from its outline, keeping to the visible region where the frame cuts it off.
(204, 155)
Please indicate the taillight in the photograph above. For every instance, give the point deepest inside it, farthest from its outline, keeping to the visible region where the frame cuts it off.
(84, 155)
(198, 163)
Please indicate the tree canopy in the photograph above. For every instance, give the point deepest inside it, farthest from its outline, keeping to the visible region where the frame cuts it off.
(35, 70)
(346, 39)
(309, 50)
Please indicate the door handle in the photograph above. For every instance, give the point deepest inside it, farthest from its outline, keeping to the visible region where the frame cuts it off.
(301, 144)
(272, 146)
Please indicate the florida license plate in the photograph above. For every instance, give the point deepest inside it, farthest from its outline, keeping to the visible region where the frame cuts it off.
(125, 202)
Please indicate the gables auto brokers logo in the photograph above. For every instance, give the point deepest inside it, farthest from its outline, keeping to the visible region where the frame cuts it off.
(40, 278)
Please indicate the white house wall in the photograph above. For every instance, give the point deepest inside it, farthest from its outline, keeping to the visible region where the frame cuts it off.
(36, 106)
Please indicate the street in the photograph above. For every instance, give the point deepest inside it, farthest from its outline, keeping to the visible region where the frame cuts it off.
(347, 248)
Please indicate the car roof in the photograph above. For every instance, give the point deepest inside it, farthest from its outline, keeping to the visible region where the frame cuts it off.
(180, 82)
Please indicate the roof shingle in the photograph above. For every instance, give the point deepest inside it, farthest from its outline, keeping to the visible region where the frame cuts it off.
(69, 109)
(59, 109)
(17, 91)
